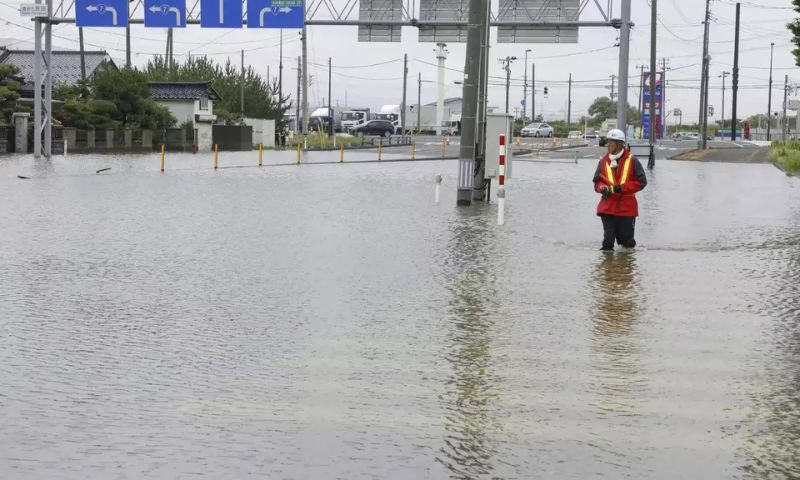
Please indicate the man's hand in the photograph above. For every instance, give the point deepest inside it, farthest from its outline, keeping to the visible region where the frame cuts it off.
(617, 188)
(605, 192)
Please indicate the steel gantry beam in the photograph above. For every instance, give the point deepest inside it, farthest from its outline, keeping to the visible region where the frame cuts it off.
(345, 13)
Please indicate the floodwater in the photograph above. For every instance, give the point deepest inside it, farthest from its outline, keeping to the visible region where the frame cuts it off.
(331, 321)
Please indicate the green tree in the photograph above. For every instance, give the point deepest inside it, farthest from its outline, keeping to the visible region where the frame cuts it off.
(9, 91)
(114, 98)
(603, 108)
(794, 27)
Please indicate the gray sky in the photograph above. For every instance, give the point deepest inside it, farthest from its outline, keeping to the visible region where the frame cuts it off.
(592, 61)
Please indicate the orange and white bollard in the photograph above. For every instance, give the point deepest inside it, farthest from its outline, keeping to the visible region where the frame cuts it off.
(501, 182)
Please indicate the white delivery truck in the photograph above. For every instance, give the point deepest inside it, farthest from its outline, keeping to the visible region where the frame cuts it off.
(354, 117)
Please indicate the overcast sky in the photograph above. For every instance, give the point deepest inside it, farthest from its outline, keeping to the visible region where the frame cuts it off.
(591, 61)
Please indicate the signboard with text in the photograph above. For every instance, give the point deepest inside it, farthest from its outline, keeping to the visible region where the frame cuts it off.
(658, 99)
(275, 14)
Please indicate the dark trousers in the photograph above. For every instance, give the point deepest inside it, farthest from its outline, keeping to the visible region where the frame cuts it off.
(620, 229)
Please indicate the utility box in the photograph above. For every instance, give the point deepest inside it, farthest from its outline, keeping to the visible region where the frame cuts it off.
(498, 124)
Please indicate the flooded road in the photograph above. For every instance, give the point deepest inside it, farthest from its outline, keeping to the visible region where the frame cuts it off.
(331, 321)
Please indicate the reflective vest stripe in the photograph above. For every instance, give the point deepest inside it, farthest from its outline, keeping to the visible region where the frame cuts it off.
(625, 171)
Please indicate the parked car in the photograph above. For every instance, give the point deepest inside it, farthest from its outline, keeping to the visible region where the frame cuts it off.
(382, 128)
(590, 134)
(575, 134)
(537, 130)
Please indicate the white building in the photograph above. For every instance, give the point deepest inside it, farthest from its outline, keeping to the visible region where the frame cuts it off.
(189, 102)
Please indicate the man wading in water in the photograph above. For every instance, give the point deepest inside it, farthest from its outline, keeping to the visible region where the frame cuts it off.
(618, 177)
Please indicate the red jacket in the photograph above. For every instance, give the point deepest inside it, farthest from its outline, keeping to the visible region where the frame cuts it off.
(629, 175)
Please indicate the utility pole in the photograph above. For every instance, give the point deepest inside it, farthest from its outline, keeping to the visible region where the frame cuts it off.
(724, 76)
(533, 92)
(652, 114)
(735, 74)
(242, 87)
(507, 66)
(704, 81)
(441, 56)
(83, 54)
(297, 120)
(470, 162)
(525, 89)
(769, 100)
(405, 85)
(305, 80)
(569, 103)
(168, 63)
(330, 111)
(166, 50)
(280, 71)
(419, 101)
(613, 81)
(624, 54)
(785, 124)
(128, 46)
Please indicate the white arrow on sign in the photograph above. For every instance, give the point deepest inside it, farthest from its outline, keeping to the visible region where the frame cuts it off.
(261, 15)
(103, 9)
(275, 10)
(165, 9)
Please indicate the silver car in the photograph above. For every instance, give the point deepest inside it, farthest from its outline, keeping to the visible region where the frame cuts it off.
(537, 130)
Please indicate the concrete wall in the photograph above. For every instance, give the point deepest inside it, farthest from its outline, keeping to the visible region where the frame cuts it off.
(205, 137)
(263, 131)
(183, 111)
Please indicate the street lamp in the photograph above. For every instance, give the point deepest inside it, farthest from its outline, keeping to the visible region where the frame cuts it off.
(525, 88)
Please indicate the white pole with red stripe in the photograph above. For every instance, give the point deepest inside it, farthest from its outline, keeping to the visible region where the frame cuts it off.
(501, 179)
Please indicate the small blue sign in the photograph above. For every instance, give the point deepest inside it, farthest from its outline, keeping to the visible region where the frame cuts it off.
(221, 13)
(101, 13)
(275, 14)
(522, 102)
(165, 13)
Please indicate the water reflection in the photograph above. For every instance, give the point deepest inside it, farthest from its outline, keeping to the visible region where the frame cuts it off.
(772, 444)
(468, 448)
(617, 305)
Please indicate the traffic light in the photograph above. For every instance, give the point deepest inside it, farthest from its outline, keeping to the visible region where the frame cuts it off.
(711, 110)
(545, 92)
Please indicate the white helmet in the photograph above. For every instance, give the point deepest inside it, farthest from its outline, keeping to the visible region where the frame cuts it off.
(617, 135)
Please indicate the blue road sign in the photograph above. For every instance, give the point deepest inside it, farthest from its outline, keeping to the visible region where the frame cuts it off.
(101, 13)
(221, 13)
(522, 102)
(165, 13)
(275, 14)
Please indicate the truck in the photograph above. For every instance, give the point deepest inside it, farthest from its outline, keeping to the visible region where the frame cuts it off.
(391, 113)
(607, 125)
(421, 120)
(319, 118)
(452, 126)
(354, 117)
